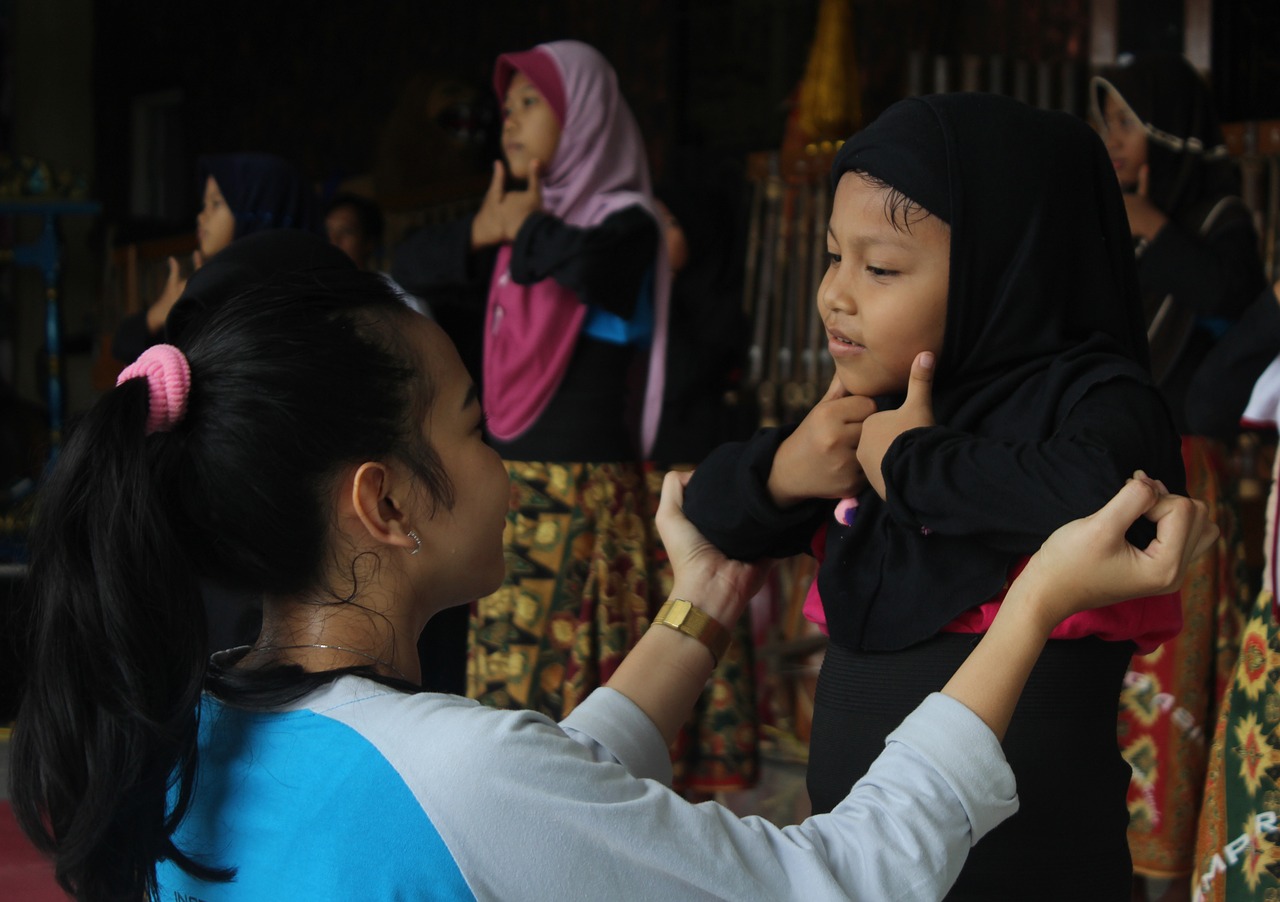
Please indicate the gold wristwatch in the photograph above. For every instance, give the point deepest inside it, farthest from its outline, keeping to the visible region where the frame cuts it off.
(683, 616)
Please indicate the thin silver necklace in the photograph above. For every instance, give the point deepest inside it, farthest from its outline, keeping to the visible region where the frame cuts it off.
(352, 651)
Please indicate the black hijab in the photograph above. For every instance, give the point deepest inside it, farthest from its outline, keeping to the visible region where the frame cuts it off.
(1189, 168)
(1042, 305)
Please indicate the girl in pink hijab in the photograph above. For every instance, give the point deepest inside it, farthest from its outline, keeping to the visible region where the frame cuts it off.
(565, 261)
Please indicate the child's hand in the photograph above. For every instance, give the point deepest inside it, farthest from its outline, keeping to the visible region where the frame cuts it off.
(173, 288)
(820, 459)
(486, 227)
(879, 431)
(503, 212)
(1088, 563)
(701, 573)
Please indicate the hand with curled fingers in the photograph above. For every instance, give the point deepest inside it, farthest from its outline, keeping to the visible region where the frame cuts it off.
(820, 459)
(1088, 563)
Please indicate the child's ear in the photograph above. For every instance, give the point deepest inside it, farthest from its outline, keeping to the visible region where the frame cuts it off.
(376, 498)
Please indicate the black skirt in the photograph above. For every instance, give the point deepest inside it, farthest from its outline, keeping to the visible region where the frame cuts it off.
(1068, 840)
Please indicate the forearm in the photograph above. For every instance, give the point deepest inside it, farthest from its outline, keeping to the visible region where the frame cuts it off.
(603, 265)
(992, 678)
(959, 484)
(729, 502)
(666, 671)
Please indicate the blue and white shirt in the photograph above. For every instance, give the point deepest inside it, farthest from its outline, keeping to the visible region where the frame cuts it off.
(360, 792)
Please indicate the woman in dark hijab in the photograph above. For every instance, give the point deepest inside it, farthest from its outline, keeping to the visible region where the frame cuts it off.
(243, 193)
(1198, 269)
(1041, 403)
(1197, 251)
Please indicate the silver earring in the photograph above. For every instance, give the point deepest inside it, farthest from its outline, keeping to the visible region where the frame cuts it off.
(417, 542)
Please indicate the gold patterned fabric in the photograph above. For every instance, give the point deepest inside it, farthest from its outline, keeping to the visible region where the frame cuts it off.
(585, 576)
(576, 597)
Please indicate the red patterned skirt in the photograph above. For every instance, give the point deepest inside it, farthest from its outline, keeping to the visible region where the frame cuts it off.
(1170, 700)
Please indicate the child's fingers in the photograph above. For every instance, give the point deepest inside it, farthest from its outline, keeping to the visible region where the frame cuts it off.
(920, 383)
(835, 390)
(495, 182)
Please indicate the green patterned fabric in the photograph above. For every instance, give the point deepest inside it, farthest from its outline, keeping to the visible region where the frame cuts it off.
(1238, 845)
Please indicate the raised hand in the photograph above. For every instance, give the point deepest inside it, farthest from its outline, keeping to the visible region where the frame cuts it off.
(701, 572)
(820, 459)
(503, 212)
(173, 287)
(880, 429)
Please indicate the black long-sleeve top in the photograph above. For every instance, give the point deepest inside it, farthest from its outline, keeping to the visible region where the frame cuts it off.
(957, 486)
(1220, 390)
(590, 416)
(1214, 275)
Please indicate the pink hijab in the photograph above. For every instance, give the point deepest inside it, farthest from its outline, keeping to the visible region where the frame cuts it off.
(599, 168)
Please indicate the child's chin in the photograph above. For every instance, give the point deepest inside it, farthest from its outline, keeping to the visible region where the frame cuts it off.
(867, 388)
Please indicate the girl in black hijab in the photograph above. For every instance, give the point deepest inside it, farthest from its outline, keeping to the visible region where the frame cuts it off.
(1197, 250)
(1041, 405)
(1198, 268)
(242, 194)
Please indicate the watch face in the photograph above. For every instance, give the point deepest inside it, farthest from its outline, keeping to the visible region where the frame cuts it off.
(683, 616)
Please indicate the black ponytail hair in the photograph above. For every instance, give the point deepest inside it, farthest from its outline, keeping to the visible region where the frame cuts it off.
(290, 382)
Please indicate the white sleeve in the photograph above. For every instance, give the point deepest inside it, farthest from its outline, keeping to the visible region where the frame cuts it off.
(529, 813)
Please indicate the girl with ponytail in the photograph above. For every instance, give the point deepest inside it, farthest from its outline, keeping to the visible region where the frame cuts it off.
(310, 439)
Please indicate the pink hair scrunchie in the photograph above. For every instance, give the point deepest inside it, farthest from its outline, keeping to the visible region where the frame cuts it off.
(168, 378)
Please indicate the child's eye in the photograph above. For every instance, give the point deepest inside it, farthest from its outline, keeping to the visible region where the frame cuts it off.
(832, 259)
(879, 271)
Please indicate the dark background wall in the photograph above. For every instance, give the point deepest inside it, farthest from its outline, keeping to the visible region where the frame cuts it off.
(129, 92)
(323, 83)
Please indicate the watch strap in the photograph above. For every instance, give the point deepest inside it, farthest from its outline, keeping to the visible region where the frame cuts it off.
(681, 615)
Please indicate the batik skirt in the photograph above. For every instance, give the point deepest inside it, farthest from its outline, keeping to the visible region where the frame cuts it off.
(585, 576)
